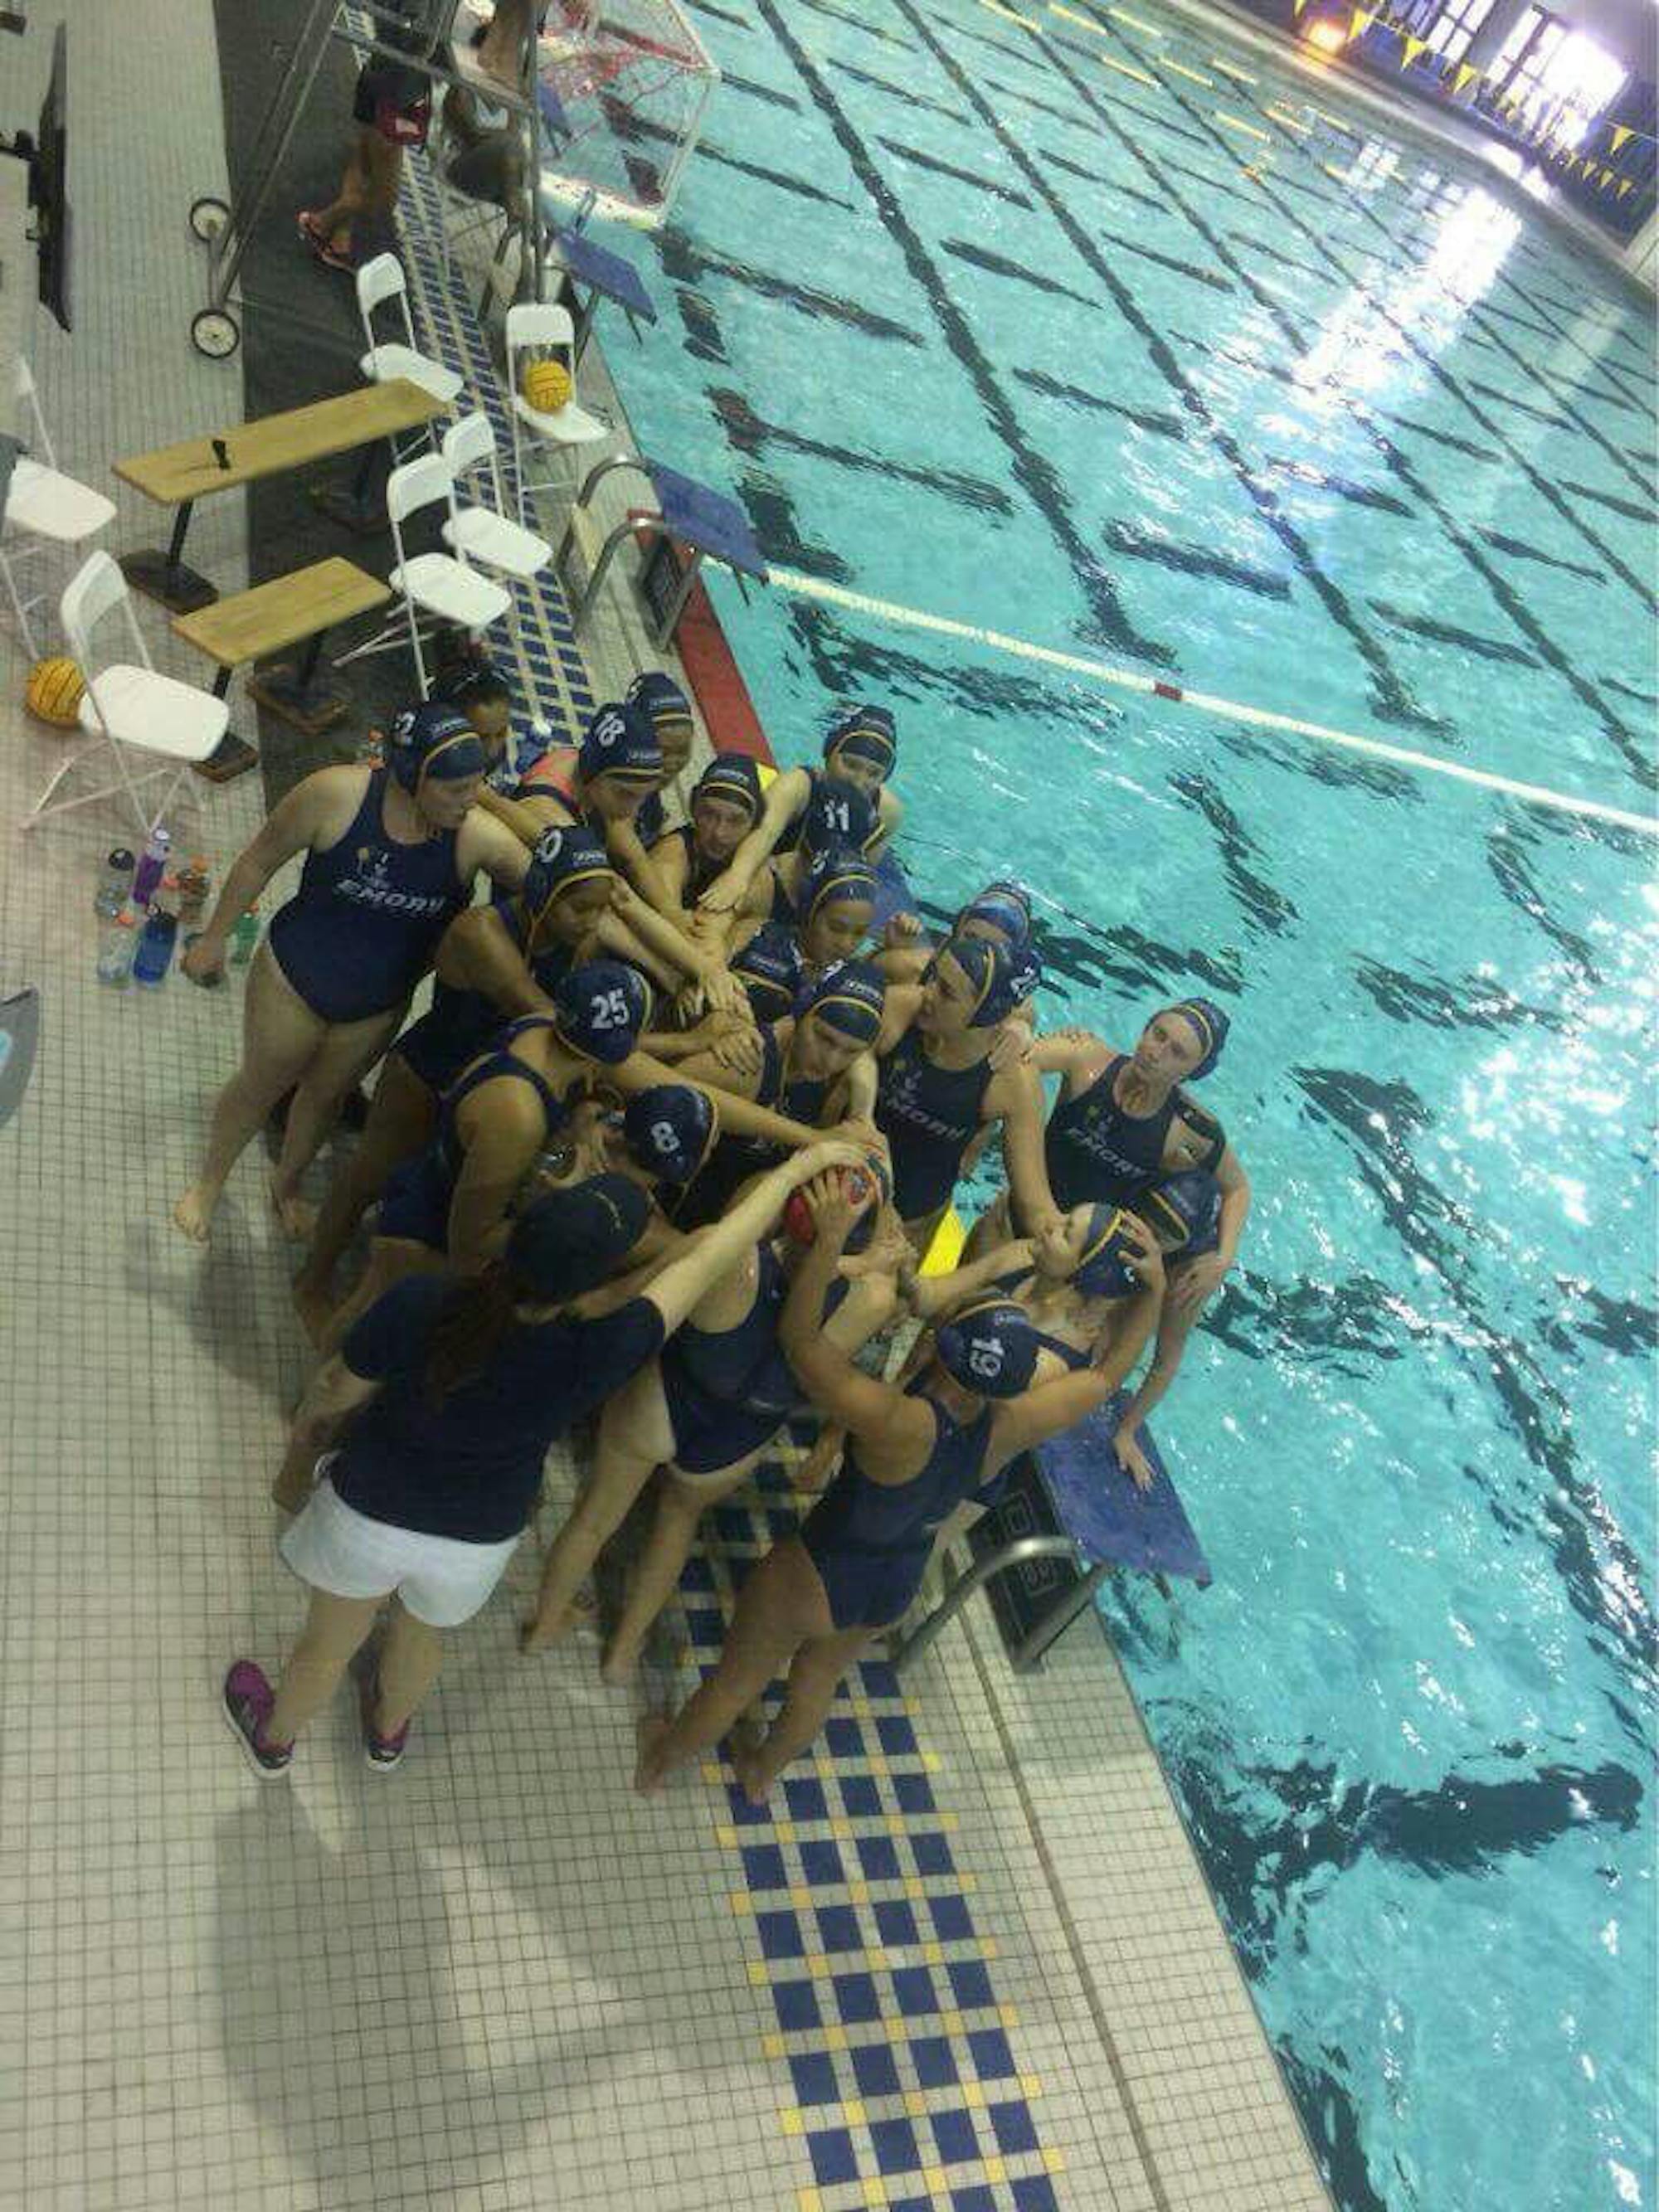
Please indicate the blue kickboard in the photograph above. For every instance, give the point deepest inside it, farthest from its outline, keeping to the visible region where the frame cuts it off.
(1104, 1514)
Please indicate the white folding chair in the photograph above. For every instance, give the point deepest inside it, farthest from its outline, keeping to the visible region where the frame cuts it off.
(381, 284)
(538, 328)
(127, 705)
(483, 532)
(43, 507)
(443, 587)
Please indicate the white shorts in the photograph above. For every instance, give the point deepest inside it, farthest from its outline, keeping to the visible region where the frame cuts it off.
(440, 1580)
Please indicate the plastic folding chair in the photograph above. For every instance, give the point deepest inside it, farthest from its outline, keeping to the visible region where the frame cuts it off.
(43, 507)
(535, 328)
(483, 532)
(444, 587)
(127, 705)
(380, 285)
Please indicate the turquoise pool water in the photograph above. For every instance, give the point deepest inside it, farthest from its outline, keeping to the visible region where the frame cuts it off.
(1113, 360)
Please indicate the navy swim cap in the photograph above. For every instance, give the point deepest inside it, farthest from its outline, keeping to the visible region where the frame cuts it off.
(769, 966)
(837, 818)
(733, 777)
(432, 740)
(865, 731)
(834, 876)
(1183, 1212)
(1209, 1024)
(562, 857)
(469, 682)
(990, 1348)
(671, 1130)
(600, 1008)
(661, 701)
(621, 742)
(1103, 1271)
(997, 906)
(569, 1241)
(990, 975)
(849, 999)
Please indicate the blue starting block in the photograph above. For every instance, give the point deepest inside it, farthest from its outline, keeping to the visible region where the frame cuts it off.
(689, 524)
(1067, 1518)
(607, 275)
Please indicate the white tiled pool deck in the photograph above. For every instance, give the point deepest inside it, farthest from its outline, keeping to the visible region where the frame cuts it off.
(496, 1979)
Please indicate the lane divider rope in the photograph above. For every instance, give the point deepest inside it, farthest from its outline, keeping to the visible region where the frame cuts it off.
(1262, 718)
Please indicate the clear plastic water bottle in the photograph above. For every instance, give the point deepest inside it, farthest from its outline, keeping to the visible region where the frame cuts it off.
(156, 940)
(152, 866)
(110, 895)
(116, 948)
(244, 938)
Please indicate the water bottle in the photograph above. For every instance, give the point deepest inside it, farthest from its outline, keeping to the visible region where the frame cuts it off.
(115, 950)
(152, 867)
(155, 941)
(244, 938)
(194, 885)
(110, 895)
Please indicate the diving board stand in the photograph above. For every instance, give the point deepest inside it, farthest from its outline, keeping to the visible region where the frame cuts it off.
(1067, 1517)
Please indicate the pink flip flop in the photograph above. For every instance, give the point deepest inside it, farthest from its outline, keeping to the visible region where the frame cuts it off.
(322, 250)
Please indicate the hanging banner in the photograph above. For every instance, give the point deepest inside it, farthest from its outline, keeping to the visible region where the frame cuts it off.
(1361, 22)
(1620, 133)
(1410, 50)
(1465, 71)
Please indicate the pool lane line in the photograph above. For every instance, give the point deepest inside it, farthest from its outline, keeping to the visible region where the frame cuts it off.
(1263, 718)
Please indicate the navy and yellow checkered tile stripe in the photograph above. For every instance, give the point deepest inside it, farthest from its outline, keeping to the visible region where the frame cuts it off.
(906, 2088)
(553, 680)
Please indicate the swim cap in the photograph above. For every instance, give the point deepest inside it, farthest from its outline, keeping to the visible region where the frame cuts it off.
(569, 1241)
(1183, 1212)
(671, 1130)
(834, 876)
(1103, 1271)
(432, 740)
(600, 1008)
(621, 742)
(990, 975)
(661, 701)
(990, 1348)
(732, 776)
(769, 966)
(562, 857)
(1005, 887)
(1209, 1024)
(849, 999)
(997, 906)
(837, 816)
(865, 731)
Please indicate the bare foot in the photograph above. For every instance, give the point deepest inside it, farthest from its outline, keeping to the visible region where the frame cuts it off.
(314, 1303)
(543, 1630)
(756, 1785)
(193, 1214)
(297, 1215)
(618, 1667)
(650, 1734)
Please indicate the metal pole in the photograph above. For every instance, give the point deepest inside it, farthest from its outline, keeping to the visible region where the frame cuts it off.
(230, 246)
(1012, 1555)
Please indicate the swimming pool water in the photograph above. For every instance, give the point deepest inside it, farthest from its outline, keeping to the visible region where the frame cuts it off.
(1062, 333)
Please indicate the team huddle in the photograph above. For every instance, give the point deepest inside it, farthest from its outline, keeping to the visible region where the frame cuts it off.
(665, 1156)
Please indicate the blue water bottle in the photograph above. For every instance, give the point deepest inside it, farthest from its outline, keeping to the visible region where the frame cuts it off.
(154, 956)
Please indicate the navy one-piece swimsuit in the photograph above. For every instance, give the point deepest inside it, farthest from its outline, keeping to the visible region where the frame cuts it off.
(460, 1022)
(363, 927)
(1098, 1155)
(419, 1193)
(870, 1542)
(929, 1117)
(729, 1390)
